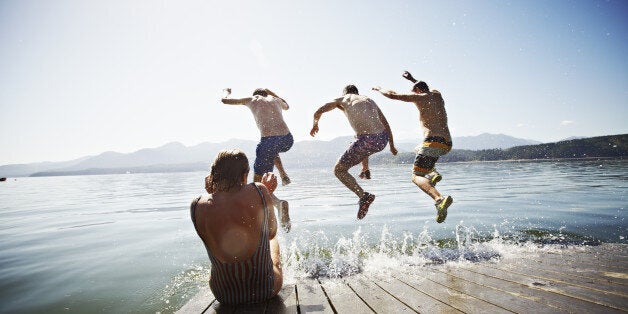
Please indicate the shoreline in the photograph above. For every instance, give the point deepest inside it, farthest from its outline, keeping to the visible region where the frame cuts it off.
(115, 171)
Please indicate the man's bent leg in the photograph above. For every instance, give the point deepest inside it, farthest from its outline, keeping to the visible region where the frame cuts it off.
(365, 164)
(424, 184)
(359, 152)
(365, 173)
(285, 180)
(441, 202)
(342, 173)
(424, 165)
(281, 205)
(283, 212)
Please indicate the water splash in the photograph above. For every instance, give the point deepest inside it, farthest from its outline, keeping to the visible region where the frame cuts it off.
(181, 288)
(313, 254)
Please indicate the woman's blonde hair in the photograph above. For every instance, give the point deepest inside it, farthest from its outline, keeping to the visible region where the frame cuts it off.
(228, 169)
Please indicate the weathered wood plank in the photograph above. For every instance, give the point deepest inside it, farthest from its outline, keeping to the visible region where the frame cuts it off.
(503, 299)
(611, 301)
(312, 298)
(343, 299)
(459, 301)
(377, 298)
(542, 270)
(611, 251)
(250, 308)
(199, 302)
(560, 301)
(574, 268)
(219, 308)
(586, 260)
(608, 254)
(413, 298)
(284, 302)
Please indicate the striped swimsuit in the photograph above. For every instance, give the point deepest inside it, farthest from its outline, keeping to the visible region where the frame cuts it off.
(428, 152)
(248, 281)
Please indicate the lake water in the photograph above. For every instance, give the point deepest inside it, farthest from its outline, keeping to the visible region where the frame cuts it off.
(125, 243)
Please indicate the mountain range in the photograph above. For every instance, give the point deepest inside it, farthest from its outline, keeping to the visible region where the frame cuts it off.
(178, 157)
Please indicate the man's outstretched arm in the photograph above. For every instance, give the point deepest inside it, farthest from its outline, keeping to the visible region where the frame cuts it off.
(317, 115)
(393, 95)
(233, 101)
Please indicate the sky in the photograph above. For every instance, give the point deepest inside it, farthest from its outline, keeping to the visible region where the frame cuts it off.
(80, 78)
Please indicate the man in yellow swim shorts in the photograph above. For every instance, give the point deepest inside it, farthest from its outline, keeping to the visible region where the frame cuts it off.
(436, 139)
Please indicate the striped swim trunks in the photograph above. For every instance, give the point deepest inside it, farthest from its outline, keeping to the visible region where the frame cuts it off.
(427, 154)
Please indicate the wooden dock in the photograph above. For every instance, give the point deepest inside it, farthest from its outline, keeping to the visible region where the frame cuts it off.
(591, 279)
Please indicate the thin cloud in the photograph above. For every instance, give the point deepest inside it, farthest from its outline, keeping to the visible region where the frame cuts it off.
(258, 52)
(525, 125)
(567, 122)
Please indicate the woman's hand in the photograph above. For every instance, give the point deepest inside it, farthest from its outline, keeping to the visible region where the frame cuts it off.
(270, 181)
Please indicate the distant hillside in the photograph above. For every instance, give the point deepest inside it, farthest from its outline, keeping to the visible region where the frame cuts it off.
(175, 157)
(313, 153)
(22, 170)
(171, 153)
(612, 146)
(172, 157)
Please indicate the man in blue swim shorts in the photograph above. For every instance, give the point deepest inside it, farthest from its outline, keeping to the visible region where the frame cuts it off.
(436, 140)
(276, 138)
(372, 133)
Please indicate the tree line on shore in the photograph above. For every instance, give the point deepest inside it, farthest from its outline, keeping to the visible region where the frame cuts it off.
(612, 146)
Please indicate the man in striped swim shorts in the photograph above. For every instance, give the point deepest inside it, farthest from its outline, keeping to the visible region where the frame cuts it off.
(436, 140)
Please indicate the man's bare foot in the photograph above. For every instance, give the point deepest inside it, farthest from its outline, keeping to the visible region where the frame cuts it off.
(284, 216)
(285, 180)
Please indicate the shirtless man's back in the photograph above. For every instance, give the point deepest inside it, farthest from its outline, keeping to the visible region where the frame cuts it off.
(268, 116)
(360, 111)
(432, 114)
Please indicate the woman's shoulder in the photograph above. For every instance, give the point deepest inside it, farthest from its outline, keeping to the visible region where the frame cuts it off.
(195, 201)
(202, 202)
(257, 186)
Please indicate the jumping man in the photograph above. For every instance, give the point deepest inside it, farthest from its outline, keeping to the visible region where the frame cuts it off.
(436, 139)
(276, 138)
(372, 132)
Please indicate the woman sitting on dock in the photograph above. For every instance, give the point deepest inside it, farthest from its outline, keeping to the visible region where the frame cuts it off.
(238, 231)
